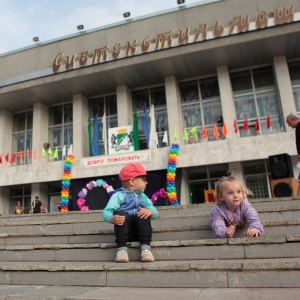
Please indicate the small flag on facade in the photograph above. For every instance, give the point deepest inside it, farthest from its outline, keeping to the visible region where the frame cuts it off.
(216, 132)
(224, 129)
(204, 132)
(235, 126)
(268, 121)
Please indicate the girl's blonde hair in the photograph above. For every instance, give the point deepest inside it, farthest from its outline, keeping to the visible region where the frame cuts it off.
(230, 178)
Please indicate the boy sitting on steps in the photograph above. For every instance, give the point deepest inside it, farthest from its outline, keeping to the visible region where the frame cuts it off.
(131, 211)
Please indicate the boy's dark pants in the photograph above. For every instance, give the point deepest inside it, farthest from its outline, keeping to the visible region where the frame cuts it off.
(134, 229)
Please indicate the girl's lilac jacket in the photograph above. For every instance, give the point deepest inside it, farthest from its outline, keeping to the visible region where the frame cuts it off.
(221, 217)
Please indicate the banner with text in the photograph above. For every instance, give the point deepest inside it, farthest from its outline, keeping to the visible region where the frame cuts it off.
(132, 157)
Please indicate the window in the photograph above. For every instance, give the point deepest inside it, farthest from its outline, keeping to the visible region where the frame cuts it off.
(294, 69)
(201, 106)
(201, 179)
(97, 107)
(22, 138)
(255, 97)
(147, 97)
(60, 128)
(22, 194)
(257, 178)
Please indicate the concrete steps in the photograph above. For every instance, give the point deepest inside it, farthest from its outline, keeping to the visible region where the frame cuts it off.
(78, 249)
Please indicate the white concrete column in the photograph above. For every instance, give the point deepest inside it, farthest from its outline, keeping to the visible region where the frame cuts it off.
(227, 102)
(124, 104)
(80, 126)
(6, 127)
(236, 170)
(40, 129)
(41, 190)
(184, 195)
(174, 109)
(4, 201)
(284, 85)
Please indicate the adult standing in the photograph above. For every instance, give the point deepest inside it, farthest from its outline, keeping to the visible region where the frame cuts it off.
(36, 205)
(293, 121)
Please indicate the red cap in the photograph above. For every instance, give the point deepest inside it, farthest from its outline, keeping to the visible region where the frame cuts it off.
(131, 171)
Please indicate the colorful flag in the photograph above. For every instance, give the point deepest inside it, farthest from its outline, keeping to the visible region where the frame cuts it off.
(145, 124)
(204, 132)
(104, 135)
(64, 151)
(194, 132)
(13, 158)
(257, 125)
(235, 126)
(224, 129)
(90, 136)
(175, 135)
(95, 143)
(0, 159)
(43, 153)
(280, 122)
(165, 138)
(27, 154)
(135, 133)
(7, 157)
(246, 126)
(34, 154)
(50, 154)
(268, 121)
(185, 135)
(153, 139)
(55, 154)
(20, 155)
(216, 132)
(70, 150)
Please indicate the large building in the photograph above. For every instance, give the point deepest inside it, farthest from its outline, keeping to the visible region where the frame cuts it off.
(228, 69)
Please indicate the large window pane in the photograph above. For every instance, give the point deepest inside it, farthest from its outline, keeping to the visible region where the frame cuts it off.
(201, 106)
(60, 128)
(147, 97)
(294, 69)
(241, 83)
(255, 98)
(263, 79)
(245, 107)
(22, 138)
(99, 105)
(267, 104)
(191, 115)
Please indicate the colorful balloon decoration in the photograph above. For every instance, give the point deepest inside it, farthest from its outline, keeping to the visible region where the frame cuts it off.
(64, 200)
(161, 193)
(92, 184)
(171, 175)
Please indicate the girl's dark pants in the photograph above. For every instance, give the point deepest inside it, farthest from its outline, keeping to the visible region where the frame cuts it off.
(134, 229)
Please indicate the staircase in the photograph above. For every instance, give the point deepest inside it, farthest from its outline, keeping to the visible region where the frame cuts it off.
(78, 249)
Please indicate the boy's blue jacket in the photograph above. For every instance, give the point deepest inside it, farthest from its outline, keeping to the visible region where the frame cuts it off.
(124, 200)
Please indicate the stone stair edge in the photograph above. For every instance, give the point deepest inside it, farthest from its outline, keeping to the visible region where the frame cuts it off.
(277, 264)
(156, 244)
(19, 222)
(158, 229)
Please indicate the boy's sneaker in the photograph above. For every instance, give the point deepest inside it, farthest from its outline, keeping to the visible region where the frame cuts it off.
(147, 256)
(122, 256)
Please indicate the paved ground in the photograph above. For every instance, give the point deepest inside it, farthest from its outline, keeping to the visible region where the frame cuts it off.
(104, 293)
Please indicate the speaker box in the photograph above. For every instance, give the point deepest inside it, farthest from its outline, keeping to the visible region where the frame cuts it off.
(284, 187)
(281, 166)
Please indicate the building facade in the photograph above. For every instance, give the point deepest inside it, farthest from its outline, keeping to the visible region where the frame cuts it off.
(221, 76)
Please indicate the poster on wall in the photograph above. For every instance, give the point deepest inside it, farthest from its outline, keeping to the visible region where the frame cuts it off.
(120, 139)
(54, 203)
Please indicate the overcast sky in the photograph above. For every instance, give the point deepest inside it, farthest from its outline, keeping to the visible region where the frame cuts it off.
(21, 20)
